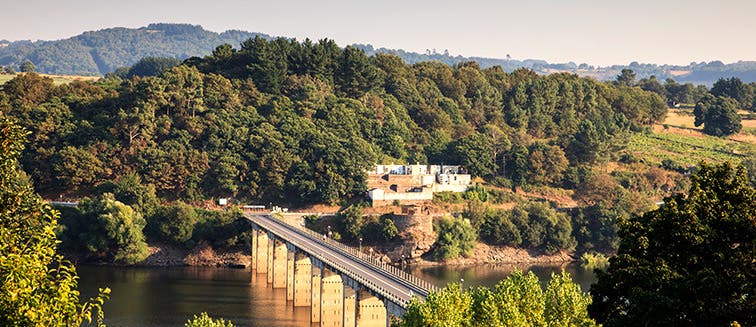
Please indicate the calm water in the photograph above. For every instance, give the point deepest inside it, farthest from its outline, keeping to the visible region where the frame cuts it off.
(169, 296)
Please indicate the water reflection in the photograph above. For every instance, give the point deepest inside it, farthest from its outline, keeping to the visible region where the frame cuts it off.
(490, 274)
(170, 296)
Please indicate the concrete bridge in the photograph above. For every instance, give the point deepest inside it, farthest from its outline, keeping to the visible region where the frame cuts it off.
(341, 285)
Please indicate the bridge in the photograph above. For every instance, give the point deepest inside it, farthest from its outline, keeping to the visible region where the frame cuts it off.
(341, 285)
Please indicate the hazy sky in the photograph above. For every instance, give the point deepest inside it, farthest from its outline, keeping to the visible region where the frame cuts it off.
(599, 32)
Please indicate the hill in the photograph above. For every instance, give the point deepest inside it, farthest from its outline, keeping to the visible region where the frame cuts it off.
(101, 52)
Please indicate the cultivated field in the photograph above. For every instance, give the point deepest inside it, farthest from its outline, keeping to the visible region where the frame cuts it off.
(677, 139)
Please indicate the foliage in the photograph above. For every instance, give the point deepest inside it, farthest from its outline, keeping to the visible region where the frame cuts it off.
(593, 260)
(174, 223)
(37, 286)
(719, 116)
(455, 237)
(147, 66)
(543, 227)
(108, 229)
(690, 262)
(517, 300)
(203, 320)
(351, 222)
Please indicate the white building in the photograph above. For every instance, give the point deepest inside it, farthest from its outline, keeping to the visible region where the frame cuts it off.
(414, 183)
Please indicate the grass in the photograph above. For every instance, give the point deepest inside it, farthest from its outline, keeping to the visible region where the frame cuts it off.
(686, 149)
(57, 79)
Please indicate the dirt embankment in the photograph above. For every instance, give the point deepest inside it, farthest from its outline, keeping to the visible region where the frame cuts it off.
(163, 255)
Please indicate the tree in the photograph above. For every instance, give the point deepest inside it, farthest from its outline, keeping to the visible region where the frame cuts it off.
(732, 87)
(203, 320)
(173, 224)
(688, 263)
(111, 230)
(517, 300)
(455, 237)
(719, 115)
(626, 77)
(37, 286)
(27, 67)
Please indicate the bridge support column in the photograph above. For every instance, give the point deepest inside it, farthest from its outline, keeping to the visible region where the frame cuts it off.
(332, 300)
(290, 253)
(253, 263)
(262, 252)
(350, 305)
(271, 246)
(279, 264)
(302, 281)
(371, 312)
(316, 284)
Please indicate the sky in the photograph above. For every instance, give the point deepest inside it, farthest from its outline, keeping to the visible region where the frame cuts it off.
(597, 32)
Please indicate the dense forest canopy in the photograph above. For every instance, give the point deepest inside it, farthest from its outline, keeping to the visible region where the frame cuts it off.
(281, 119)
(103, 51)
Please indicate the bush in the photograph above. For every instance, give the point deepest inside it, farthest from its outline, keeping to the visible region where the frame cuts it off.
(173, 224)
(593, 260)
(108, 229)
(498, 229)
(203, 320)
(455, 237)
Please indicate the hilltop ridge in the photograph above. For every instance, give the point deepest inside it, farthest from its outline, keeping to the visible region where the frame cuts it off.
(103, 51)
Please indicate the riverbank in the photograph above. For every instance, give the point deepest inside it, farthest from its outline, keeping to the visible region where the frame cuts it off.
(204, 255)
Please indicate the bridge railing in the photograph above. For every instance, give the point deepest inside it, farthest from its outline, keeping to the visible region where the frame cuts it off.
(355, 253)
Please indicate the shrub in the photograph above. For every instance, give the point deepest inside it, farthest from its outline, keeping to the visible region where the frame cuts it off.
(203, 320)
(455, 237)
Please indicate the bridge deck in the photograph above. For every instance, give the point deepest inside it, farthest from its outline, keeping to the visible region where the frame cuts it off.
(383, 279)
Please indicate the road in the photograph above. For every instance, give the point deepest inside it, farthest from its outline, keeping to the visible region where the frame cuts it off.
(367, 273)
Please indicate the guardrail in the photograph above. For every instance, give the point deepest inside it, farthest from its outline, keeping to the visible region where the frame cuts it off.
(418, 285)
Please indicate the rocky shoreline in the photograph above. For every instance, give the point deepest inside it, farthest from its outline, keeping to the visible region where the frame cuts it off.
(204, 255)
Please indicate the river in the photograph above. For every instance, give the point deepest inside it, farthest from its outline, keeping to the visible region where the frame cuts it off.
(153, 297)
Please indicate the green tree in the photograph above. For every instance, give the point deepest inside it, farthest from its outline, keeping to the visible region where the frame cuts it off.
(112, 230)
(719, 115)
(174, 224)
(37, 286)
(475, 153)
(351, 221)
(203, 320)
(626, 77)
(455, 237)
(690, 262)
(516, 301)
(27, 67)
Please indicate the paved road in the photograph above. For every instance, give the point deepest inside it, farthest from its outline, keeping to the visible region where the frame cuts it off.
(369, 274)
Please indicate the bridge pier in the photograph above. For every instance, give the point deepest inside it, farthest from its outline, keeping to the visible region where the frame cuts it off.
(280, 254)
(317, 286)
(253, 262)
(290, 253)
(371, 312)
(261, 263)
(302, 281)
(332, 300)
(271, 245)
(350, 306)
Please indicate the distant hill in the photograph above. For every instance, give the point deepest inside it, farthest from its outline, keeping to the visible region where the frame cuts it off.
(101, 52)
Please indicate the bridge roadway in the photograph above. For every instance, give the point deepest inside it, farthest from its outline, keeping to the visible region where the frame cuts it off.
(380, 278)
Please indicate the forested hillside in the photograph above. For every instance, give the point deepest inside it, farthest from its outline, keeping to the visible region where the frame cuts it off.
(300, 123)
(102, 52)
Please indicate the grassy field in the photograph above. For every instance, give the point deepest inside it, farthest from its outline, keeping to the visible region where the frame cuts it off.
(677, 139)
(57, 79)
